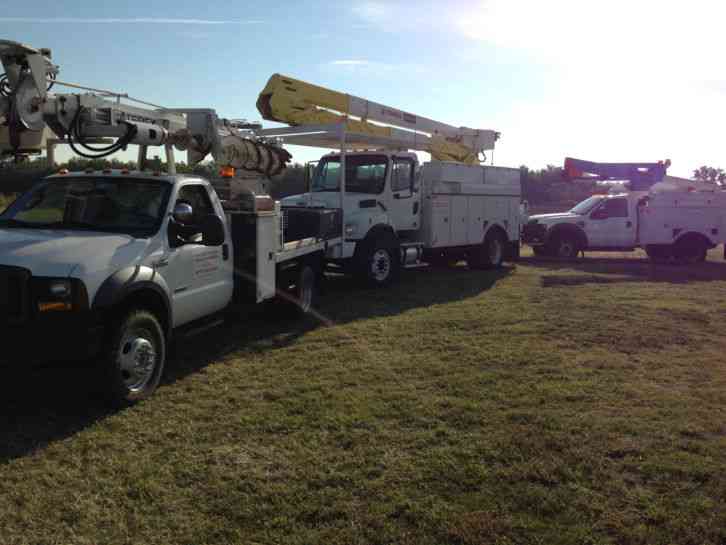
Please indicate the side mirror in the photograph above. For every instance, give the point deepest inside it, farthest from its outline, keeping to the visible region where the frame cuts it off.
(183, 213)
(212, 229)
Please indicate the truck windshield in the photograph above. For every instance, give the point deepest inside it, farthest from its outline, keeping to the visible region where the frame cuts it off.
(363, 174)
(585, 206)
(122, 205)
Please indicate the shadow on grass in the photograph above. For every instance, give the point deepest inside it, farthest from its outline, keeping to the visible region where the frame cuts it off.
(46, 405)
(633, 269)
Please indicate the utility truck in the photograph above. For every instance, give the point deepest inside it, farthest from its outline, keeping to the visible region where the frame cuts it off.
(109, 265)
(672, 219)
(396, 212)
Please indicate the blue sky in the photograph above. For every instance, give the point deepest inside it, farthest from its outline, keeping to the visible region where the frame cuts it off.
(612, 81)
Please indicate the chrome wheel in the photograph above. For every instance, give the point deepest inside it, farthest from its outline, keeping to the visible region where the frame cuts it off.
(137, 359)
(381, 265)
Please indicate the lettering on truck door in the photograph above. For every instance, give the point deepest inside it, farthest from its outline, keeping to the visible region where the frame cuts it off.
(196, 274)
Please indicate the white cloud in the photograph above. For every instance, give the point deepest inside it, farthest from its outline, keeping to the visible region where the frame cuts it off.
(133, 20)
(605, 40)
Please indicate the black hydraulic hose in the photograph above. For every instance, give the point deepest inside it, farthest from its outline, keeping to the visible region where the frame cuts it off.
(74, 133)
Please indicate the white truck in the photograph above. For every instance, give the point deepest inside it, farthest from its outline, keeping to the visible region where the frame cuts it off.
(397, 213)
(674, 219)
(109, 265)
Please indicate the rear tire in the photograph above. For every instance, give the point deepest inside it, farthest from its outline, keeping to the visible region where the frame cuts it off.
(306, 290)
(490, 254)
(690, 251)
(134, 358)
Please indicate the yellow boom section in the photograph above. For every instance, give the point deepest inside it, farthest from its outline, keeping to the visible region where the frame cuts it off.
(295, 102)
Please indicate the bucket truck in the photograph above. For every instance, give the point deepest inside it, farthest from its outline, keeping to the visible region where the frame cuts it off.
(672, 219)
(397, 213)
(109, 265)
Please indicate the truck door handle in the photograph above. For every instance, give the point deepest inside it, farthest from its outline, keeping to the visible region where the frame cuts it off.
(629, 224)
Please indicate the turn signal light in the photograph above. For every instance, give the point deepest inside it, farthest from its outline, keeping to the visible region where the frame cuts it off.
(227, 172)
(54, 306)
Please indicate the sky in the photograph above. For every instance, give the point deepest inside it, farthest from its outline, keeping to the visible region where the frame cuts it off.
(633, 80)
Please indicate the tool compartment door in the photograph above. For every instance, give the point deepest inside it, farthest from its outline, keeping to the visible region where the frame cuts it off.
(459, 220)
(475, 221)
(440, 225)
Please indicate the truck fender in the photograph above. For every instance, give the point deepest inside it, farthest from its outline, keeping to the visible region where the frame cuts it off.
(123, 284)
(490, 227)
(693, 235)
(378, 230)
(571, 230)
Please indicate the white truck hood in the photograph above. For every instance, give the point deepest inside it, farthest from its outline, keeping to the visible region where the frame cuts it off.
(57, 253)
(547, 219)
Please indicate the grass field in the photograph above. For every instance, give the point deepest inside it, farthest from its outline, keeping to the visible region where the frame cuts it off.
(5, 200)
(547, 403)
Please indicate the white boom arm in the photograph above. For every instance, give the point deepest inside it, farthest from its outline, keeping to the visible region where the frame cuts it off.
(28, 110)
(299, 103)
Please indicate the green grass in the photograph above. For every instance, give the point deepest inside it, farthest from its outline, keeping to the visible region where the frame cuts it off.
(5, 200)
(547, 403)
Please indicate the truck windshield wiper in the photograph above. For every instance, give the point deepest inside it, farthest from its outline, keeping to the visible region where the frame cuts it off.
(69, 225)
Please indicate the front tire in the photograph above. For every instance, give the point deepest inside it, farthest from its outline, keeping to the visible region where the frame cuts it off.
(379, 263)
(565, 247)
(134, 358)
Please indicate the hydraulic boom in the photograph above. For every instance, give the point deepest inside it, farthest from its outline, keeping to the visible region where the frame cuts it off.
(296, 102)
(29, 112)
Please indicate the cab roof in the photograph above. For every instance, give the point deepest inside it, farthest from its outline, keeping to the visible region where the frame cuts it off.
(122, 173)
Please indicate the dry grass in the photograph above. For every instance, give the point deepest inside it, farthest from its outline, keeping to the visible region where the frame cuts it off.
(547, 403)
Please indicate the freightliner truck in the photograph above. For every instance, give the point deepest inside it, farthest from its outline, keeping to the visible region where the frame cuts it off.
(109, 265)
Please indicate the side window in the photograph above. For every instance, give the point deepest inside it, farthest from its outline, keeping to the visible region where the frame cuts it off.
(402, 176)
(616, 208)
(198, 197)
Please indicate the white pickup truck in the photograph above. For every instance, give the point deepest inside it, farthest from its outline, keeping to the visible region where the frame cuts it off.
(109, 265)
(676, 220)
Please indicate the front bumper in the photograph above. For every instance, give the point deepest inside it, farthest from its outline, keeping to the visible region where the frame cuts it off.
(63, 336)
(534, 234)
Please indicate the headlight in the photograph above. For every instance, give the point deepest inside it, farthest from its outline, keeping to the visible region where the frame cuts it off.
(59, 294)
(350, 229)
(61, 289)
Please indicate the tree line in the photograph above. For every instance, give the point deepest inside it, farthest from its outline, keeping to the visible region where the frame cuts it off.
(545, 187)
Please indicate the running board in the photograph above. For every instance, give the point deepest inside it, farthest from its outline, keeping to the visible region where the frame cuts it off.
(198, 330)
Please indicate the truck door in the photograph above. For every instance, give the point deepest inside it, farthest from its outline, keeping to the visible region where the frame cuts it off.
(611, 225)
(197, 275)
(404, 203)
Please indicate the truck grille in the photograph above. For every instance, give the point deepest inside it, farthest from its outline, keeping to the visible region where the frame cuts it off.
(14, 285)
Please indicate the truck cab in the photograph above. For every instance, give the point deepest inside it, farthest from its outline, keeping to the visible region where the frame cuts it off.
(601, 222)
(380, 189)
